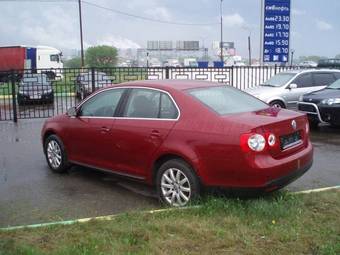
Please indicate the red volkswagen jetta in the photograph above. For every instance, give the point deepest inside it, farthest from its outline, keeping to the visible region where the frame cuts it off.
(180, 135)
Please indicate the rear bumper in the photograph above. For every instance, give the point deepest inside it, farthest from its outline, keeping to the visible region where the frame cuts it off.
(285, 180)
(265, 173)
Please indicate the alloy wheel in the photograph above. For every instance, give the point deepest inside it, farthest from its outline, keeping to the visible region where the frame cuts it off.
(54, 154)
(175, 187)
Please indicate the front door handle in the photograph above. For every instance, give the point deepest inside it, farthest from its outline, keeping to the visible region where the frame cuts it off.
(104, 129)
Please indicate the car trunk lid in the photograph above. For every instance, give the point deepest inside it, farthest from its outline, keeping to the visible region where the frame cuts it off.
(288, 127)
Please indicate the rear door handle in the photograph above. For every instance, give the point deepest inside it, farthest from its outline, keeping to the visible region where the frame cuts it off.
(155, 134)
(104, 129)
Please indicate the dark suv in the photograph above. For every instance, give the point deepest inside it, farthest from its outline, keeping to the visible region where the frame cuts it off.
(84, 84)
(35, 88)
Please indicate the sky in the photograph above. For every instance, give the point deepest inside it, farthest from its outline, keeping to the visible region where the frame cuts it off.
(314, 23)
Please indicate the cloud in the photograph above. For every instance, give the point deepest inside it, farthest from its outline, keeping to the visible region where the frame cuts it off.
(118, 42)
(298, 12)
(158, 13)
(234, 20)
(323, 25)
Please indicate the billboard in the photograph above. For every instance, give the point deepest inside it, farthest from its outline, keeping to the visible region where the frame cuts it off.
(187, 45)
(276, 30)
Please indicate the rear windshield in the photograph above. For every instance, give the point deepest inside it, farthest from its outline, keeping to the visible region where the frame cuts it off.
(279, 80)
(226, 100)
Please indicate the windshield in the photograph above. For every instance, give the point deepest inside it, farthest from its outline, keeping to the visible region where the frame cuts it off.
(335, 85)
(227, 100)
(35, 79)
(279, 79)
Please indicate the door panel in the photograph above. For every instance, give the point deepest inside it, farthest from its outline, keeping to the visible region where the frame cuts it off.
(91, 131)
(136, 141)
(92, 141)
(147, 119)
(304, 84)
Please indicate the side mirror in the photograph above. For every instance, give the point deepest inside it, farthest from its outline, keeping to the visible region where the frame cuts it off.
(292, 86)
(72, 112)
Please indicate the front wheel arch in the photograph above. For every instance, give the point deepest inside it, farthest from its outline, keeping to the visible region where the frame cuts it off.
(278, 102)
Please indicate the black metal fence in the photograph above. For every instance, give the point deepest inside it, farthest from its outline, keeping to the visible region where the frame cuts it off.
(47, 92)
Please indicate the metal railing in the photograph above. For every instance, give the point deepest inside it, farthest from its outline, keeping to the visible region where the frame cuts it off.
(42, 93)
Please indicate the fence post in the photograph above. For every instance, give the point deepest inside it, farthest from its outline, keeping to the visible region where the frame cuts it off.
(275, 69)
(14, 101)
(93, 81)
(167, 72)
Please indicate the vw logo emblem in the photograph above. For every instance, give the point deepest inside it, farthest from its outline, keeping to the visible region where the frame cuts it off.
(310, 100)
(293, 124)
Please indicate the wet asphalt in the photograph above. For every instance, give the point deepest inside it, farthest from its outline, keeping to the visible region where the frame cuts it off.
(30, 193)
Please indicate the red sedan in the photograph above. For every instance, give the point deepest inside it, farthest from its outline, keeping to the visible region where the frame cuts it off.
(180, 135)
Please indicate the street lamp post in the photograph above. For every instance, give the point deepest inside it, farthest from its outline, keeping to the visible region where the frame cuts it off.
(292, 57)
(81, 35)
(221, 43)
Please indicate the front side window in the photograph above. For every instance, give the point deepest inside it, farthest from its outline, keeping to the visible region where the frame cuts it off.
(149, 103)
(54, 58)
(323, 79)
(227, 100)
(279, 80)
(104, 104)
(304, 80)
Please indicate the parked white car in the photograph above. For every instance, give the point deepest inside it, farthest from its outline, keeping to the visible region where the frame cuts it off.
(284, 89)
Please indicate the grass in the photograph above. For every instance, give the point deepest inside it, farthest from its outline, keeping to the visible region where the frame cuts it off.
(278, 224)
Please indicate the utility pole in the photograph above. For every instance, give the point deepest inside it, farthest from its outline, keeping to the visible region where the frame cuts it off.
(81, 35)
(221, 43)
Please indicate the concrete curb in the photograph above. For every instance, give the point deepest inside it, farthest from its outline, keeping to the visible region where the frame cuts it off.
(111, 217)
(83, 220)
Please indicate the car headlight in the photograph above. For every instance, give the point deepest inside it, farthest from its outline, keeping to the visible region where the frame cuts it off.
(48, 91)
(331, 101)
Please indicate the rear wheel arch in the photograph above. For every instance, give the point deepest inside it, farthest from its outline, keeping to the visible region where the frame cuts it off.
(167, 157)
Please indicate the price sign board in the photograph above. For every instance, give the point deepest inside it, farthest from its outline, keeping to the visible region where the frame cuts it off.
(276, 30)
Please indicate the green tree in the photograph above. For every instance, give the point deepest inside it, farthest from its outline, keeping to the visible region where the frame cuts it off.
(311, 58)
(73, 63)
(101, 56)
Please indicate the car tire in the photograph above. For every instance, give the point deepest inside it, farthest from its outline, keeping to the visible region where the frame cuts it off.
(20, 102)
(177, 183)
(55, 154)
(314, 124)
(277, 104)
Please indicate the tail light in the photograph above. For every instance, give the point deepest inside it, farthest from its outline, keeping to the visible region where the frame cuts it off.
(257, 142)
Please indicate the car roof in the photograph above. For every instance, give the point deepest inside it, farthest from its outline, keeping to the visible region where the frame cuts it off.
(297, 71)
(170, 84)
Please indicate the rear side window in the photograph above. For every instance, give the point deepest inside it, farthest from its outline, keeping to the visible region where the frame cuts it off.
(148, 103)
(226, 100)
(304, 80)
(323, 79)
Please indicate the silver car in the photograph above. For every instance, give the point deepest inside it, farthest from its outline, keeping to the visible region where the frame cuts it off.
(284, 89)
